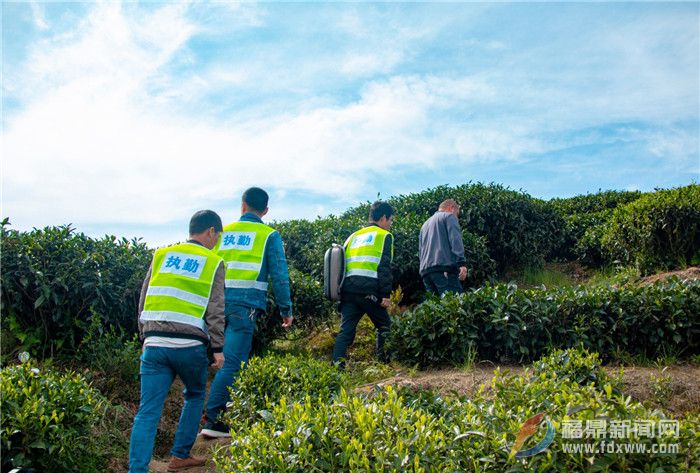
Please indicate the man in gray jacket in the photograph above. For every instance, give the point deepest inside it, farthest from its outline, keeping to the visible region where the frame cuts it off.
(441, 250)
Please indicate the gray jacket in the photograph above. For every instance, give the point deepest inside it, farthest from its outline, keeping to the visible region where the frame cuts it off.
(214, 317)
(440, 244)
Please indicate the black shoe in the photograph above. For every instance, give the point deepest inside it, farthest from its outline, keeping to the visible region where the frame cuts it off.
(215, 430)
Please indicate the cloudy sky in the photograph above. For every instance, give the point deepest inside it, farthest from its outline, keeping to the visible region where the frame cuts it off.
(124, 118)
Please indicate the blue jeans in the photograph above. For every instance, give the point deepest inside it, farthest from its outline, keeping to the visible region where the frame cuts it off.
(238, 340)
(159, 366)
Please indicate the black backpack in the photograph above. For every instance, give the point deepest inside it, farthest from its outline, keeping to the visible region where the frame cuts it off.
(333, 271)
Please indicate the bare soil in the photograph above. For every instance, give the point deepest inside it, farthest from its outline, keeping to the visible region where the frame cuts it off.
(643, 384)
(692, 272)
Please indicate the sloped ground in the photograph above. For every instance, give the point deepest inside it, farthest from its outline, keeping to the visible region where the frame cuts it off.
(689, 273)
(675, 389)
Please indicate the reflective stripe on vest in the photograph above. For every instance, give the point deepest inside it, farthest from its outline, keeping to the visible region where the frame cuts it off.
(363, 251)
(181, 281)
(242, 247)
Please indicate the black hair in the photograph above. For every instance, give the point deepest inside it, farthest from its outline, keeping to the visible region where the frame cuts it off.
(203, 220)
(380, 209)
(256, 198)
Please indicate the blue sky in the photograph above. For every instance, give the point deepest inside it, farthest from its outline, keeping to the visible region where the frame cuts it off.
(125, 118)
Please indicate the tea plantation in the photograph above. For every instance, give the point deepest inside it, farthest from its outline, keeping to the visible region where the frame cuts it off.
(70, 301)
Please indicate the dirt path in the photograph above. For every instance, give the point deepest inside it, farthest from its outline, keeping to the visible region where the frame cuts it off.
(675, 389)
(202, 448)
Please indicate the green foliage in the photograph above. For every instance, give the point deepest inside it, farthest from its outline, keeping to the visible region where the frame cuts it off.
(110, 359)
(592, 203)
(511, 324)
(438, 331)
(266, 380)
(48, 420)
(582, 214)
(53, 279)
(578, 365)
(419, 431)
(657, 231)
(661, 387)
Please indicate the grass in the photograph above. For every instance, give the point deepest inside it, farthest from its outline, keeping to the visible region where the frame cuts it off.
(550, 275)
(614, 276)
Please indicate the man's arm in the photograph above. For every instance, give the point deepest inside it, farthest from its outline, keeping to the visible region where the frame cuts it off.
(454, 235)
(384, 269)
(142, 300)
(279, 273)
(214, 316)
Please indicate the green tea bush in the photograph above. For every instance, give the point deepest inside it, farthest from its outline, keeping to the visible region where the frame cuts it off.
(48, 420)
(593, 203)
(657, 231)
(578, 365)
(419, 431)
(510, 324)
(267, 380)
(581, 213)
(54, 279)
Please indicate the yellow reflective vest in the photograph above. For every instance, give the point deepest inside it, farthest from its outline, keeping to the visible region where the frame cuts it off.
(363, 251)
(181, 282)
(242, 247)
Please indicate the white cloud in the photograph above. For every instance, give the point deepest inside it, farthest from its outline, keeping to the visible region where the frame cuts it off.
(100, 139)
(38, 16)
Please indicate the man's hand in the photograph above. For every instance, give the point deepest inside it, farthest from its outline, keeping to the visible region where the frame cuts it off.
(462, 273)
(218, 360)
(386, 302)
(287, 321)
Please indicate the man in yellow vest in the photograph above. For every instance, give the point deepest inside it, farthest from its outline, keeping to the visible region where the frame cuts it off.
(252, 254)
(181, 312)
(367, 285)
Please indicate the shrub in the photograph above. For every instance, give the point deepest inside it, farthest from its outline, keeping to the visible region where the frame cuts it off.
(659, 230)
(593, 203)
(438, 331)
(577, 365)
(110, 360)
(48, 419)
(54, 279)
(268, 379)
(511, 324)
(390, 431)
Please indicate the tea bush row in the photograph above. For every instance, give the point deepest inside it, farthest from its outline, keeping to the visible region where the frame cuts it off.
(504, 323)
(55, 279)
(420, 431)
(659, 230)
(53, 421)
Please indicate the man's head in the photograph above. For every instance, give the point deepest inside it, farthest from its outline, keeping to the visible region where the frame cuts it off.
(451, 206)
(254, 200)
(205, 227)
(381, 214)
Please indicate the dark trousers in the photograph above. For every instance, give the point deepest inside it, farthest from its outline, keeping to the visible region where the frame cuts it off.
(440, 282)
(352, 308)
